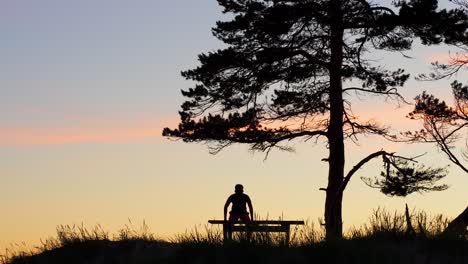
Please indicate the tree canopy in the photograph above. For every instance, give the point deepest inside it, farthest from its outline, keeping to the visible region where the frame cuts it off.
(276, 67)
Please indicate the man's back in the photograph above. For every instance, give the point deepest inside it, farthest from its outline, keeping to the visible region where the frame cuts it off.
(239, 203)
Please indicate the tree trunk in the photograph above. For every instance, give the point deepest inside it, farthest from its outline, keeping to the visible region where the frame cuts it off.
(333, 202)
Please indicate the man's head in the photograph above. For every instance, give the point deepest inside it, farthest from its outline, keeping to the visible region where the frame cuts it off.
(239, 188)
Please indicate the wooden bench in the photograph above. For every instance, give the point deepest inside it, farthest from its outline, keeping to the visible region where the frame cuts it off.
(256, 226)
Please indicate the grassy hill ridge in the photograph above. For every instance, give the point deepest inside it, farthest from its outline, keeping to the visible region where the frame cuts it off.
(385, 239)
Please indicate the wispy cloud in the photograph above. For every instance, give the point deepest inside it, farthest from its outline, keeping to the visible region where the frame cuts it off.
(141, 128)
(87, 130)
(446, 57)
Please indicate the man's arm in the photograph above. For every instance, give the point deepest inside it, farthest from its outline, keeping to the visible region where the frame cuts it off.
(226, 205)
(249, 203)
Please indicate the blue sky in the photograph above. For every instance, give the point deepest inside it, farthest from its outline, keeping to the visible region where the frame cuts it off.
(86, 87)
(91, 57)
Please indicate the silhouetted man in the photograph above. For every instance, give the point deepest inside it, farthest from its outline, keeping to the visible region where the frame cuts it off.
(239, 201)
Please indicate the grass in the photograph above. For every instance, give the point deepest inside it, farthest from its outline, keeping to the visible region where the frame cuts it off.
(383, 223)
(77, 237)
(384, 239)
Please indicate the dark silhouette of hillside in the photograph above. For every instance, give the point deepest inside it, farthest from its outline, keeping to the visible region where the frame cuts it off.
(345, 251)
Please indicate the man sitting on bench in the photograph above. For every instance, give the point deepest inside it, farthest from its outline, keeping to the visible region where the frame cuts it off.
(239, 211)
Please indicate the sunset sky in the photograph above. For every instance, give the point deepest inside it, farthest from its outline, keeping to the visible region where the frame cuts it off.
(86, 89)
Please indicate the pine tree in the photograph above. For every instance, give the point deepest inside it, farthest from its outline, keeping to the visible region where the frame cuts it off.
(444, 124)
(283, 76)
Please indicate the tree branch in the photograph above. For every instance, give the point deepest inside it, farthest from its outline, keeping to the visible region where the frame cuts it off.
(390, 92)
(359, 165)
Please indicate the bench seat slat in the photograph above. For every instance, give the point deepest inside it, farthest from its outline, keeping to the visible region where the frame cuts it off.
(260, 228)
(262, 222)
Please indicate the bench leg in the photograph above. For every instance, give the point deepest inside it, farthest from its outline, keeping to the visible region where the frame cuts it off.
(286, 240)
(249, 235)
(227, 233)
